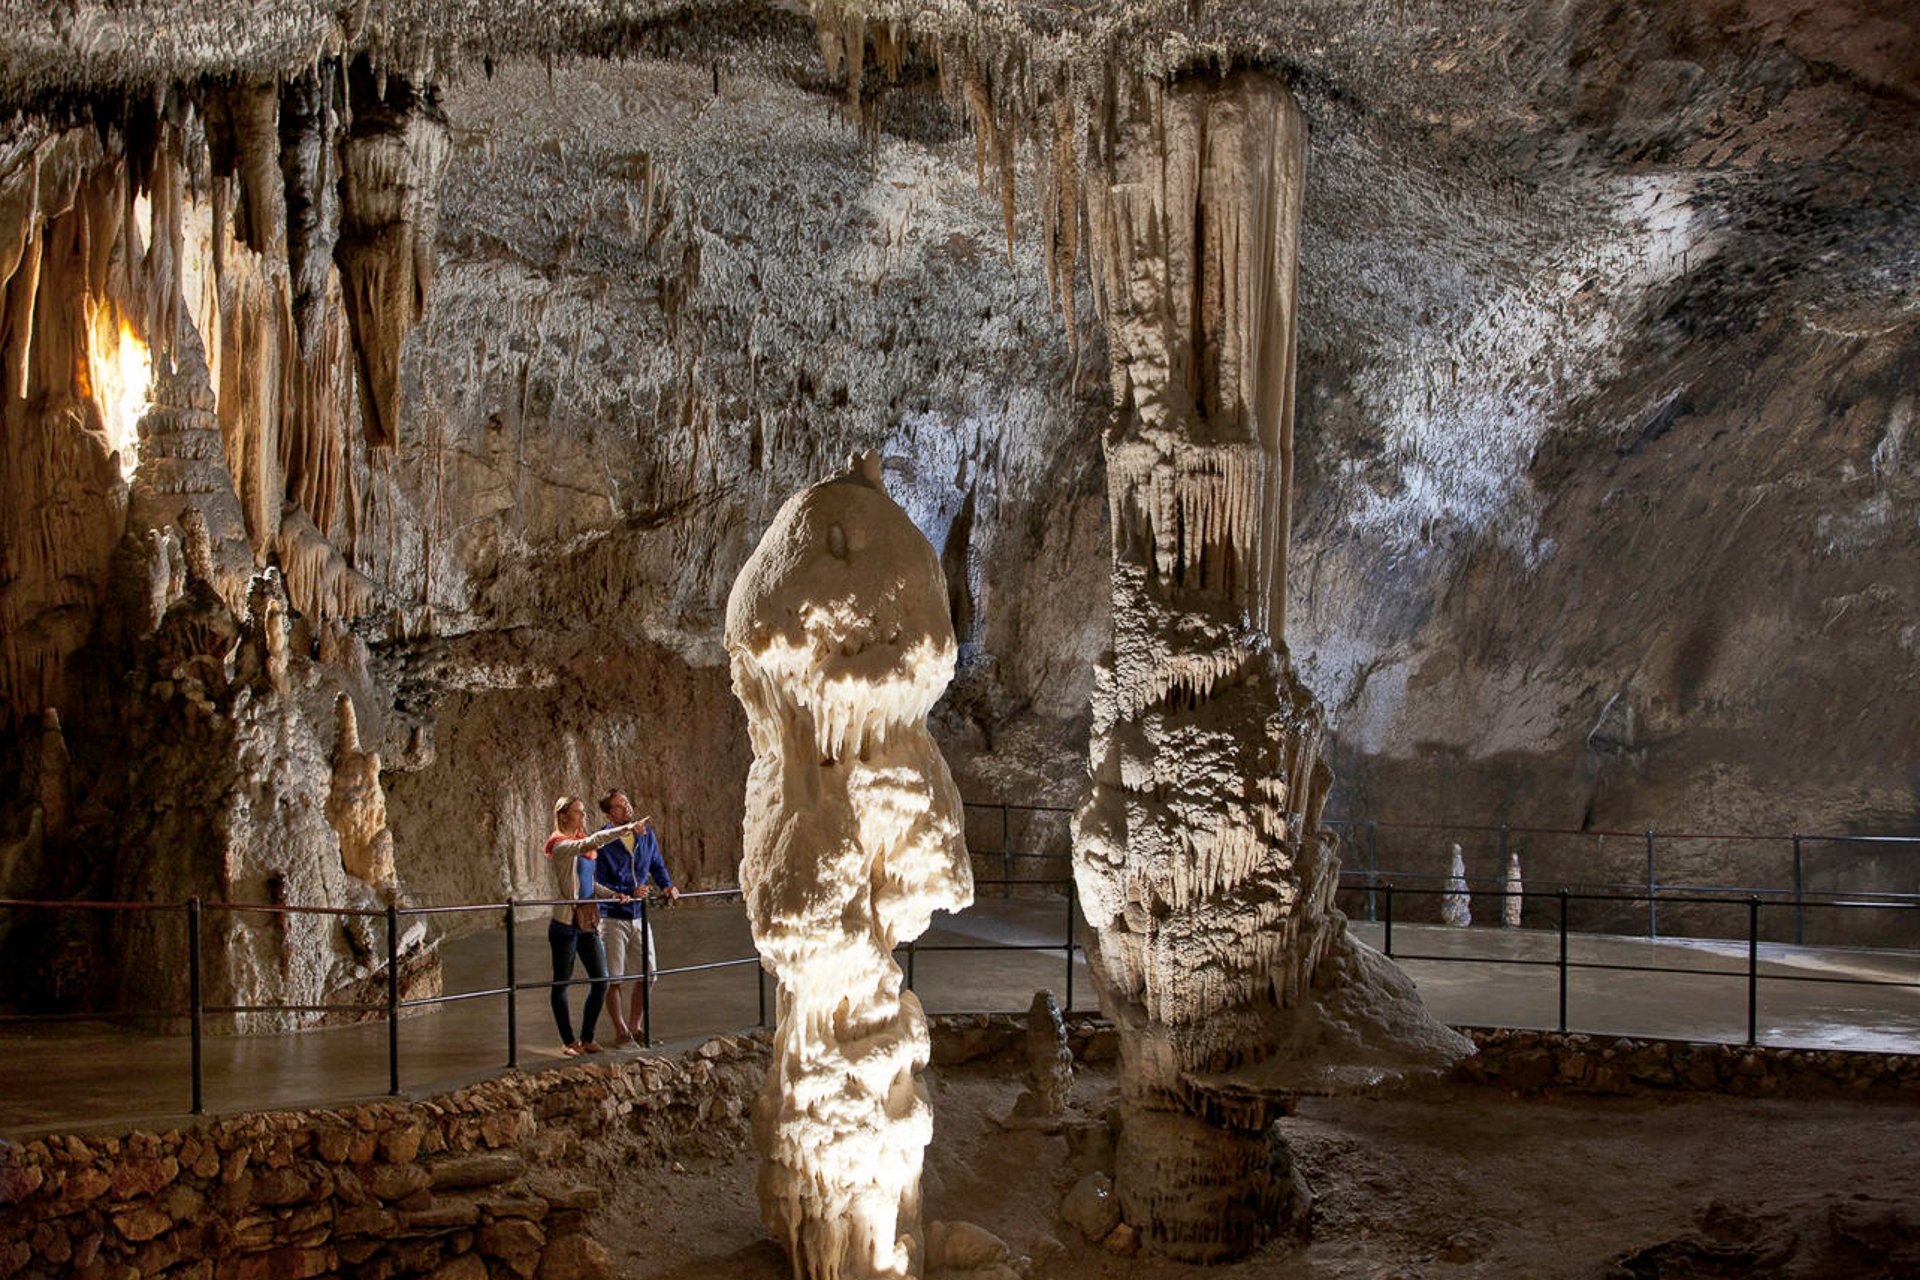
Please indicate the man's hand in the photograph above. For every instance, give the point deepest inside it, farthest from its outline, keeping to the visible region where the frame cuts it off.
(672, 893)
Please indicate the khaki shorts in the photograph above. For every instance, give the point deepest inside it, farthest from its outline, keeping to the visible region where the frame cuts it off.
(622, 939)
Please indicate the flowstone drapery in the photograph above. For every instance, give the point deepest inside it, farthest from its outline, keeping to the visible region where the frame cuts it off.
(840, 642)
(1198, 853)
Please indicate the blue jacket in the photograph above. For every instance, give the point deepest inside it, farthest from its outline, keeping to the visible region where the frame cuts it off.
(624, 870)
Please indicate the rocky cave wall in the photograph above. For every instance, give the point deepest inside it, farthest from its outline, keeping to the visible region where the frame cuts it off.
(660, 308)
(643, 321)
(1607, 497)
(1604, 474)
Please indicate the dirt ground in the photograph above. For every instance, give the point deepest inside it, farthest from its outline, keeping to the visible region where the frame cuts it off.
(1450, 1181)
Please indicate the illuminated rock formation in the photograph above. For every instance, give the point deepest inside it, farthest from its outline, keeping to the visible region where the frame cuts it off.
(1201, 866)
(840, 642)
(1456, 904)
(391, 163)
(356, 806)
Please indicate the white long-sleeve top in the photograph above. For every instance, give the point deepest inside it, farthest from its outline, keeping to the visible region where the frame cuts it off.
(571, 869)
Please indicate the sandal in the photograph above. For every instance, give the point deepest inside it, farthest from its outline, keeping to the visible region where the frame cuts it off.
(573, 1050)
(591, 1047)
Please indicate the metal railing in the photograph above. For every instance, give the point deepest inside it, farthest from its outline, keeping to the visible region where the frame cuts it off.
(1564, 966)
(1381, 889)
(194, 911)
(1790, 881)
(1005, 850)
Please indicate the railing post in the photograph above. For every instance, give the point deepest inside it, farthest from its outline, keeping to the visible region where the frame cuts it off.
(194, 1001)
(1006, 856)
(1071, 888)
(646, 978)
(1373, 862)
(393, 999)
(513, 1016)
(1563, 962)
(760, 980)
(1387, 939)
(1753, 969)
(1653, 903)
(912, 946)
(1799, 901)
(1500, 869)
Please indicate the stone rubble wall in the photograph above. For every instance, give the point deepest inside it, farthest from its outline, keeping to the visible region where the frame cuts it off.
(487, 1181)
(1534, 1061)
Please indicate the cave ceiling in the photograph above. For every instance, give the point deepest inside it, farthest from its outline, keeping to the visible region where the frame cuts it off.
(1477, 169)
(1570, 272)
(1511, 160)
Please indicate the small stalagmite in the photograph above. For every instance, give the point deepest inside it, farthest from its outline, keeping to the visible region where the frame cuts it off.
(56, 772)
(356, 805)
(840, 642)
(1516, 896)
(1049, 1061)
(183, 464)
(1456, 904)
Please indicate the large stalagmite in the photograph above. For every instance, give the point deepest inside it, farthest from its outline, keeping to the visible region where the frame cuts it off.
(841, 642)
(1198, 852)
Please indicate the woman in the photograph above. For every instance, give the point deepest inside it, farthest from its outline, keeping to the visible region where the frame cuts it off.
(577, 929)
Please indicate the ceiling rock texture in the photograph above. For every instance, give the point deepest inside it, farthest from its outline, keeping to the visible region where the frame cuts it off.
(485, 341)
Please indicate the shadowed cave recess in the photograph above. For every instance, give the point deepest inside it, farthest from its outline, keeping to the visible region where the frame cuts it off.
(393, 392)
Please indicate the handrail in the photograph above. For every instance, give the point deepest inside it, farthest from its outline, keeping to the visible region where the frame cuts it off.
(1495, 829)
(1644, 843)
(393, 1006)
(1564, 965)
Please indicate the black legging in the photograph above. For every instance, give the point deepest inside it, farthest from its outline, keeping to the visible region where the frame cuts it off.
(565, 940)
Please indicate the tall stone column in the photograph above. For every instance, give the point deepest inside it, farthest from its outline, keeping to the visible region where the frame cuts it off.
(1198, 855)
(840, 643)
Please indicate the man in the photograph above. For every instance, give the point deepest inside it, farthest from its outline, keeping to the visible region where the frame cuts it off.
(631, 865)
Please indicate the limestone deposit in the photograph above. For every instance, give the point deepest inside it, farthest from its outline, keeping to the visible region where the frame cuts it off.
(1437, 411)
(841, 642)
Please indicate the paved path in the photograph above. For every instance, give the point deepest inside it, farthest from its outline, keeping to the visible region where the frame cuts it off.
(88, 1075)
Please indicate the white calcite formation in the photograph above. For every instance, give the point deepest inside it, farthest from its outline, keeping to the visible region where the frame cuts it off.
(356, 804)
(1456, 904)
(1198, 855)
(840, 642)
(1516, 893)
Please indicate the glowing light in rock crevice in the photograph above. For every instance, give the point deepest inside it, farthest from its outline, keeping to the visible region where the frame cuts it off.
(123, 379)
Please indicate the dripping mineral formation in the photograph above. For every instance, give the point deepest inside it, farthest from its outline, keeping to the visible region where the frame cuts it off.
(840, 642)
(1198, 854)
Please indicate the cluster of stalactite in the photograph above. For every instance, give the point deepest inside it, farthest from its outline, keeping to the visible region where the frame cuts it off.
(1197, 311)
(282, 229)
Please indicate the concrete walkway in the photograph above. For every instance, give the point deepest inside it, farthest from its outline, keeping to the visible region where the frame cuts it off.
(92, 1075)
(1805, 996)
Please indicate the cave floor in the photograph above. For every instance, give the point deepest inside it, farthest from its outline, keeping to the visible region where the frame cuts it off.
(97, 1075)
(1447, 1181)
